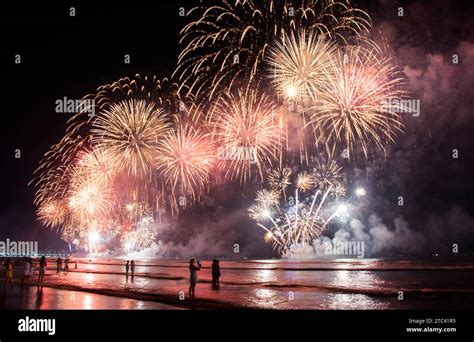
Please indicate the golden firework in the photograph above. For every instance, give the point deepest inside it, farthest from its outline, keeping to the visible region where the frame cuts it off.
(304, 181)
(131, 132)
(246, 129)
(185, 161)
(226, 44)
(299, 65)
(51, 214)
(350, 110)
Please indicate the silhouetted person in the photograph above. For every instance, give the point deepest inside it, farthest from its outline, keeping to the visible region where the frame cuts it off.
(9, 272)
(59, 264)
(42, 269)
(75, 265)
(27, 271)
(216, 274)
(127, 266)
(132, 268)
(194, 276)
(66, 265)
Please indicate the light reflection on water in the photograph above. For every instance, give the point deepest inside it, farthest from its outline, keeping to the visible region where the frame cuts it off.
(344, 301)
(89, 278)
(33, 298)
(353, 280)
(265, 276)
(266, 298)
(341, 284)
(88, 302)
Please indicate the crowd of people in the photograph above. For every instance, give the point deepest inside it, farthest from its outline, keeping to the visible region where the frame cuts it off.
(28, 265)
(63, 265)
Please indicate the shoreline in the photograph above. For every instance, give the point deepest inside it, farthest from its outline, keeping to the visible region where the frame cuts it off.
(277, 285)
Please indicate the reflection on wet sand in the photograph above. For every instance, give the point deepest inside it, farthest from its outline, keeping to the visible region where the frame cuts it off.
(270, 284)
(44, 298)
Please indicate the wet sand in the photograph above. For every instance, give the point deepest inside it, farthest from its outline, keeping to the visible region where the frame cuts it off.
(261, 284)
(46, 298)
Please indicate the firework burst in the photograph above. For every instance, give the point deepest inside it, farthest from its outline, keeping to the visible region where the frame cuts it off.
(131, 132)
(97, 164)
(141, 237)
(267, 198)
(89, 199)
(186, 158)
(116, 170)
(152, 89)
(51, 214)
(226, 44)
(304, 181)
(350, 110)
(52, 176)
(328, 174)
(299, 65)
(297, 220)
(246, 128)
(279, 179)
(136, 211)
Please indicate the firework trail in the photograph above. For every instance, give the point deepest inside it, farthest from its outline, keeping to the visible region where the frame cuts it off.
(299, 65)
(226, 44)
(52, 176)
(151, 89)
(298, 220)
(160, 91)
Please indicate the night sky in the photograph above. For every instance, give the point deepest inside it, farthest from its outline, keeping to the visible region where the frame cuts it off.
(64, 56)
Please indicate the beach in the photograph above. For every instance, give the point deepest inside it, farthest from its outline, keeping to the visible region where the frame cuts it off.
(367, 284)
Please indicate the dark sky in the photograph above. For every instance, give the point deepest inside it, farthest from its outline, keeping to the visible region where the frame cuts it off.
(64, 56)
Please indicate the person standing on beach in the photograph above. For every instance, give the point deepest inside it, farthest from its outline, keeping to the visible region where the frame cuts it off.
(66, 265)
(216, 273)
(132, 268)
(127, 265)
(9, 272)
(58, 264)
(27, 271)
(194, 276)
(42, 269)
